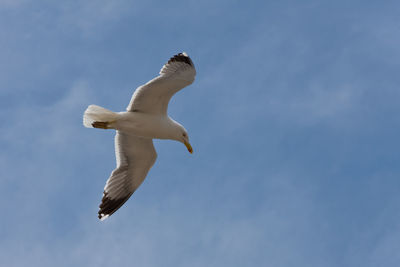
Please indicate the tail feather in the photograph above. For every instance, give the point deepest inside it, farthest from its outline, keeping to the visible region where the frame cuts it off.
(98, 114)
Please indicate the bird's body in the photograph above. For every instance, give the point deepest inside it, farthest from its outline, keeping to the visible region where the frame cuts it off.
(145, 119)
(145, 125)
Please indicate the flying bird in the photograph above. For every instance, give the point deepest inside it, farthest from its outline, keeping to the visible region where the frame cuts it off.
(145, 118)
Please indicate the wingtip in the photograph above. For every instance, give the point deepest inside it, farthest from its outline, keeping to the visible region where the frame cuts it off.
(103, 216)
(181, 57)
(108, 205)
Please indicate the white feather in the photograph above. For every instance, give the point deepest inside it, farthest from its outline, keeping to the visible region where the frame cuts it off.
(146, 118)
(96, 113)
(153, 97)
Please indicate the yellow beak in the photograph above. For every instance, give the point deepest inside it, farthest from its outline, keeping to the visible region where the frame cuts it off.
(189, 147)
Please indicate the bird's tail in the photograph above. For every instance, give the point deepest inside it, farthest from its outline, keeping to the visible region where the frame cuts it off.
(98, 117)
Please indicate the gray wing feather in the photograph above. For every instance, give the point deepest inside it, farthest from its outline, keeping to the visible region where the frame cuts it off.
(153, 97)
(135, 156)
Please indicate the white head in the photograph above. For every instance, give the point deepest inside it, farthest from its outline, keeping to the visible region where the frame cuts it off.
(182, 136)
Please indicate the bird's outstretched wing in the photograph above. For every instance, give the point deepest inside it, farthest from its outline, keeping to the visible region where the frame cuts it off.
(135, 156)
(153, 97)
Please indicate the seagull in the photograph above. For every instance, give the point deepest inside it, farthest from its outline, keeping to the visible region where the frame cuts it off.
(145, 119)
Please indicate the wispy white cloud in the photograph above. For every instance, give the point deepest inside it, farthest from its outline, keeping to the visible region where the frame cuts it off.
(278, 85)
(39, 139)
(262, 236)
(93, 16)
(385, 252)
(38, 126)
(6, 4)
(237, 201)
(50, 134)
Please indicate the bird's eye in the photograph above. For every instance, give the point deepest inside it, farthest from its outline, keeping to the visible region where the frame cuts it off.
(184, 135)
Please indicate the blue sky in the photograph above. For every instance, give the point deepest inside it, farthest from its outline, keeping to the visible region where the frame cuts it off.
(293, 117)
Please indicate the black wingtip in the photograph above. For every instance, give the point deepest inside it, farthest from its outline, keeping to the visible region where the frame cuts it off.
(108, 206)
(181, 57)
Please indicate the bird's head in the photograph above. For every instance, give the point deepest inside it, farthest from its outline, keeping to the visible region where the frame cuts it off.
(181, 135)
(185, 140)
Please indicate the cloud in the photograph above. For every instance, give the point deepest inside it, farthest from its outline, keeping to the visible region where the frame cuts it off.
(263, 187)
(44, 126)
(7, 4)
(385, 252)
(38, 140)
(280, 85)
(44, 203)
(212, 237)
(92, 16)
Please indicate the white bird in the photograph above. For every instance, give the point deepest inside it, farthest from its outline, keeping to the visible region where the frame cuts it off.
(146, 118)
